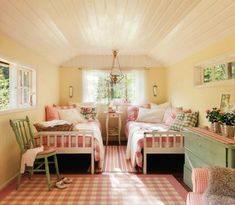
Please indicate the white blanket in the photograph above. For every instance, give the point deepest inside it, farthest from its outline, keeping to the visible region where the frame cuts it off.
(29, 157)
(136, 133)
(53, 123)
(132, 144)
(97, 135)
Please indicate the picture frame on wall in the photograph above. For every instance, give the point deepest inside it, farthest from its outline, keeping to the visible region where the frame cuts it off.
(225, 102)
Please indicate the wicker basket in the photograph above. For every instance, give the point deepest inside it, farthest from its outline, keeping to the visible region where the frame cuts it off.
(65, 127)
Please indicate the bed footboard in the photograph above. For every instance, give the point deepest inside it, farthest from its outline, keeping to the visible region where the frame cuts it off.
(69, 142)
(157, 142)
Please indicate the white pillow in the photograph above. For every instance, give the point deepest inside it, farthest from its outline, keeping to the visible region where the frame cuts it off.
(150, 115)
(71, 115)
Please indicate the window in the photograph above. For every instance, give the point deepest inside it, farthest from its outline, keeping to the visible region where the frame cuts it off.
(4, 86)
(215, 73)
(231, 70)
(17, 86)
(97, 87)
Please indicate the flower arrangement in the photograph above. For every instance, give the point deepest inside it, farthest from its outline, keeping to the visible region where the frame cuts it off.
(213, 115)
(228, 118)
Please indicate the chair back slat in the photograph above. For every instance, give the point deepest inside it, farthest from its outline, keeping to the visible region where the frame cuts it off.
(23, 133)
(26, 134)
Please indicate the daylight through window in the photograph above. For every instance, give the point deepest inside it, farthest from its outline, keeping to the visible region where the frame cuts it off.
(17, 86)
(219, 72)
(98, 88)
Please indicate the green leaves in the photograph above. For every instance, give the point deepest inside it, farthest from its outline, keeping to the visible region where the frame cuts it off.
(4, 87)
(213, 115)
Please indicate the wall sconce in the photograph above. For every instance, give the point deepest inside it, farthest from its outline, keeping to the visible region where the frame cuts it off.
(155, 90)
(70, 91)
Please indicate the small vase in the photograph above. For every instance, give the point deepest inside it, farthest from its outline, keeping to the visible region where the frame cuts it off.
(215, 127)
(229, 131)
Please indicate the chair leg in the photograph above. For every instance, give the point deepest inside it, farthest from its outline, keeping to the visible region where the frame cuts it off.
(47, 173)
(31, 172)
(56, 167)
(18, 181)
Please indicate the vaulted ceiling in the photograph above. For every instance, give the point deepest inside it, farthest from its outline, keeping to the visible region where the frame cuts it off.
(160, 32)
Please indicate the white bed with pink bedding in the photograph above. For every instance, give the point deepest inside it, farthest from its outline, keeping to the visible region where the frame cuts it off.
(151, 137)
(154, 139)
(84, 139)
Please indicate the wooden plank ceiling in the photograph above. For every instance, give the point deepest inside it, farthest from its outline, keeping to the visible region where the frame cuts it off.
(148, 32)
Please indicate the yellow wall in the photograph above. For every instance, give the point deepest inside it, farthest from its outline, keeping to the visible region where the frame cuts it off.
(180, 88)
(70, 77)
(47, 93)
(156, 76)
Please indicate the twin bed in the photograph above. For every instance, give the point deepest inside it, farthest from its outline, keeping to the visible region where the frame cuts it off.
(152, 138)
(85, 138)
(143, 138)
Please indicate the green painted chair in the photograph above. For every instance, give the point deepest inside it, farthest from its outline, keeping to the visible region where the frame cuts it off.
(25, 138)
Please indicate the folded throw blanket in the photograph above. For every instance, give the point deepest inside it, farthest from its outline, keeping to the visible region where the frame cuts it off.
(221, 186)
(53, 123)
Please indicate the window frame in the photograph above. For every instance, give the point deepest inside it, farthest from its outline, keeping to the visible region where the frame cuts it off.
(15, 90)
(212, 63)
(135, 74)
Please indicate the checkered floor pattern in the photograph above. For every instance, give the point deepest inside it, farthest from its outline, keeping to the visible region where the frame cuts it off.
(115, 159)
(100, 189)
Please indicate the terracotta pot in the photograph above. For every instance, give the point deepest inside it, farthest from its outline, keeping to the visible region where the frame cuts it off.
(215, 127)
(229, 131)
(222, 129)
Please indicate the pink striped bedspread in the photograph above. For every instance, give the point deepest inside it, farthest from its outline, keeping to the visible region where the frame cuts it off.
(135, 134)
(98, 142)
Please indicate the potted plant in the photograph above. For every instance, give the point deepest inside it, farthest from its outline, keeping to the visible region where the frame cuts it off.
(214, 116)
(228, 124)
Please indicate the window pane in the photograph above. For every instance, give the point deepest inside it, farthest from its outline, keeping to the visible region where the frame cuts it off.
(97, 87)
(208, 75)
(107, 91)
(233, 70)
(25, 78)
(102, 89)
(220, 73)
(4, 87)
(123, 90)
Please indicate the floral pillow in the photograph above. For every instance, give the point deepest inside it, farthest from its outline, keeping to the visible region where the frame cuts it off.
(89, 113)
(132, 113)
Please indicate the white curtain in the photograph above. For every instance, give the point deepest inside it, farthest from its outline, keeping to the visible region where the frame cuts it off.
(139, 87)
(90, 84)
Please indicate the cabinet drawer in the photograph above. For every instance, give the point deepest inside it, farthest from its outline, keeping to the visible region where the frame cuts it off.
(192, 160)
(208, 151)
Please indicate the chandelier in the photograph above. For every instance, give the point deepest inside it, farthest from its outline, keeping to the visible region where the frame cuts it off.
(116, 74)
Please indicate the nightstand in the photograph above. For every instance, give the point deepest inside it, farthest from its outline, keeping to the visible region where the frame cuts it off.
(113, 131)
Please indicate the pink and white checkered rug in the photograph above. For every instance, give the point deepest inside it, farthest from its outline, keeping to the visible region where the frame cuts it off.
(115, 160)
(99, 189)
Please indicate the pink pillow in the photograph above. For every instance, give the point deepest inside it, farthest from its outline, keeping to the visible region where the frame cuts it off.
(51, 113)
(132, 113)
(170, 119)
